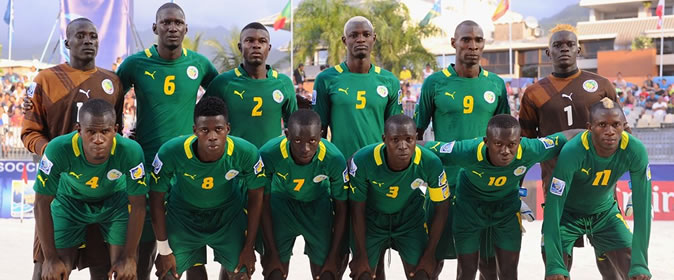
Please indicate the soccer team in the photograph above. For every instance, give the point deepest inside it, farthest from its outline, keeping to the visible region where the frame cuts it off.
(244, 170)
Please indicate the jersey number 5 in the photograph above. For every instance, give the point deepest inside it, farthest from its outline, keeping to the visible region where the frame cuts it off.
(360, 97)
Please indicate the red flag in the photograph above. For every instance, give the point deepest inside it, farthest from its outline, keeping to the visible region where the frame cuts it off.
(283, 17)
(24, 175)
(660, 11)
(501, 9)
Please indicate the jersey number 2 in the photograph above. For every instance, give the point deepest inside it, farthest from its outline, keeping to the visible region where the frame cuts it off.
(258, 104)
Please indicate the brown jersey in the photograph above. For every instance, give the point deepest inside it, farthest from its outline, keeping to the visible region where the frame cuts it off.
(57, 94)
(556, 104)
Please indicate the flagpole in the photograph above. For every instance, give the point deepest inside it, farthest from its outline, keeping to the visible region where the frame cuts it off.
(662, 38)
(11, 28)
(292, 46)
(510, 47)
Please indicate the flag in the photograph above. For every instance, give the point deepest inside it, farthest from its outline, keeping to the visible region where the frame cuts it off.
(283, 17)
(660, 11)
(8, 12)
(434, 12)
(501, 9)
(24, 174)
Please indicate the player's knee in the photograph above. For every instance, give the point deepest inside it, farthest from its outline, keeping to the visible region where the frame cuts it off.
(365, 276)
(327, 276)
(276, 275)
(420, 275)
(98, 272)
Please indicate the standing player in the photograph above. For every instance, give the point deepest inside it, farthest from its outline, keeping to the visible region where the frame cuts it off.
(561, 101)
(487, 192)
(92, 175)
(387, 202)
(203, 209)
(308, 174)
(460, 100)
(52, 106)
(581, 197)
(257, 97)
(355, 97)
(166, 78)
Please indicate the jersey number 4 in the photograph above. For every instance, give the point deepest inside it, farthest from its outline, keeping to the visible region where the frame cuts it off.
(93, 182)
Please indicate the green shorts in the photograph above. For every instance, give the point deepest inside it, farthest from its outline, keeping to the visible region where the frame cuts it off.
(445, 249)
(312, 220)
(480, 225)
(404, 232)
(71, 217)
(191, 230)
(607, 230)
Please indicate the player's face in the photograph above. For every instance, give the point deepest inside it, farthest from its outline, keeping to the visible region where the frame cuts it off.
(469, 43)
(304, 141)
(400, 141)
(502, 145)
(607, 127)
(255, 46)
(211, 132)
(97, 134)
(83, 41)
(359, 39)
(563, 49)
(170, 28)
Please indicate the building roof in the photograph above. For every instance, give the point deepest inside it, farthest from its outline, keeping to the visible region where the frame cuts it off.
(624, 30)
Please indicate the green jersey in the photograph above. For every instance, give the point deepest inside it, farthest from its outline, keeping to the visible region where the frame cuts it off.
(481, 180)
(205, 185)
(460, 107)
(256, 107)
(64, 170)
(325, 175)
(355, 105)
(166, 92)
(388, 191)
(584, 185)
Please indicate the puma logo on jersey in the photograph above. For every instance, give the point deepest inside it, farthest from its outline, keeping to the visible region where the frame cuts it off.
(191, 176)
(284, 176)
(478, 173)
(377, 183)
(586, 171)
(564, 95)
(43, 181)
(156, 178)
(240, 94)
(450, 94)
(344, 90)
(142, 182)
(150, 74)
(85, 92)
(435, 147)
(75, 175)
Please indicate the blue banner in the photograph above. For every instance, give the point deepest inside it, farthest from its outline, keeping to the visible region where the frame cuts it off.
(12, 188)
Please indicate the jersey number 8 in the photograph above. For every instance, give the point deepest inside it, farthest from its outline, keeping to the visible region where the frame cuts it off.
(207, 184)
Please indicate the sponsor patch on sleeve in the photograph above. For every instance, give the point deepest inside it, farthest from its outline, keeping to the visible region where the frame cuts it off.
(345, 175)
(447, 148)
(137, 172)
(352, 168)
(557, 187)
(547, 142)
(258, 166)
(442, 179)
(648, 172)
(31, 90)
(45, 165)
(400, 97)
(157, 164)
(313, 98)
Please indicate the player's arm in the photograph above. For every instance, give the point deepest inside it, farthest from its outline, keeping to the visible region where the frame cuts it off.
(270, 259)
(425, 108)
(640, 174)
(357, 199)
(290, 105)
(528, 115)
(438, 192)
(210, 73)
(394, 106)
(554, 206)
(162, 172)
(34, 125)
(321, 103)
(119, 106)
(125, 74)
(339, 187)
(503, 106)
(254, 180)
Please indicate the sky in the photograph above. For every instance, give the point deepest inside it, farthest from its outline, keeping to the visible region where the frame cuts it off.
(35, 18)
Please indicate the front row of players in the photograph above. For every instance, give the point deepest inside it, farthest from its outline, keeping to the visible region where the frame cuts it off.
(299, 184)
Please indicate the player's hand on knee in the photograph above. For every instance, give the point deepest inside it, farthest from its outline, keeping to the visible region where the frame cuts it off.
(54, 269)
(640, 277)
(556, 277)
(270, 263)
(427, 265)
(628, 208)
(166, 264)
(330, 266)
(247, 260)
(124, 269)
(359, 266)
(526, 213)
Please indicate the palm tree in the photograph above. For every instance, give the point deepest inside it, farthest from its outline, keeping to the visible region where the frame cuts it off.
(227, 55)
(192, 44)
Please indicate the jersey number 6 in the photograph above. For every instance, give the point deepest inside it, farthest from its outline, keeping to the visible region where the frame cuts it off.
(169, 85)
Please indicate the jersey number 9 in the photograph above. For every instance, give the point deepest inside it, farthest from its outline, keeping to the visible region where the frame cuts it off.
(468, 104)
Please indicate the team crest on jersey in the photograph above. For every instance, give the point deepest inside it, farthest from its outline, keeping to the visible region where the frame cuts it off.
(520, 170)
(648, 172)
(345, 175)
(137, 172)
(417, 183)
(590, 85)
(258, 166)
(557, 187)
(157, 164)
(489, 96)
(31, 90)
(231, 174)
(382, 91)
(353, 168)
(547, 142)
(442, 179)
(192, 72)
(447, 148)
(107, 86)
(400, 97)
(320, 178)
(45, 165)
(114, 174)
(277, 95)
(313, 97)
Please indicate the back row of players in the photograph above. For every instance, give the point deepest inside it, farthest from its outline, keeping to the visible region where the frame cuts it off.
(223, 187)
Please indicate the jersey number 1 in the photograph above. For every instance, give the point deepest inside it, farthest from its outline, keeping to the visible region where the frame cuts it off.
(569, 115)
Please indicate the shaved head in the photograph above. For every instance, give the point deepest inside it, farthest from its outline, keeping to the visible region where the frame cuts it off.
(77, 22)
(465, 23)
